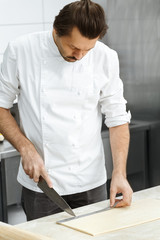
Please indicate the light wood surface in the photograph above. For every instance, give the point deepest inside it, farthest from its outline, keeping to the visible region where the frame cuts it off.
(47, 226)
(8, 232)
(139, 212)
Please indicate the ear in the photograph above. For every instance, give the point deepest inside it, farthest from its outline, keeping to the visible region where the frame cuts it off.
(54, 31)
(54, 34)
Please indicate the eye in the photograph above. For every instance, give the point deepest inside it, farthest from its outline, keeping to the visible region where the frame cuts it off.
(72, 47)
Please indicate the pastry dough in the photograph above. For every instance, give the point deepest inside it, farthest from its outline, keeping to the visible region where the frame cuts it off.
(139, 212)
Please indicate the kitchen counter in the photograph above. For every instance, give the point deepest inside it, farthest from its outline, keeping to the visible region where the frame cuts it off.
(47, 226)
(7, 150)
(9, 191)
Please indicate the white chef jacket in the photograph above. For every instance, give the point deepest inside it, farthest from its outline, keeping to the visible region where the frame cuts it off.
(60, 106)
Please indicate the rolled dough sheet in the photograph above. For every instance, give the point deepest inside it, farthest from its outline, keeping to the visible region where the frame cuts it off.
(139, 212)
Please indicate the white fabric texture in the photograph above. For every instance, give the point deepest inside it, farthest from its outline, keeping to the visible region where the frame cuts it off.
(60, 106)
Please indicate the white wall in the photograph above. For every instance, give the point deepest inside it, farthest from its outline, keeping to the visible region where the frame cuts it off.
(18, 17)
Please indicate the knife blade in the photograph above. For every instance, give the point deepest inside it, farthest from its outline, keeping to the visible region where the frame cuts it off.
(54, 196)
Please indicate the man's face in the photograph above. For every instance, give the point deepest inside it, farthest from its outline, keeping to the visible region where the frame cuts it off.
(75, 46)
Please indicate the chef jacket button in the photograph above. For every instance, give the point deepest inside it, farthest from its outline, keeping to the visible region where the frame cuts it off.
(74, 145)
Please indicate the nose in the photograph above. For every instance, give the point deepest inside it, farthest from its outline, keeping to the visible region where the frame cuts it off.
(78, 54)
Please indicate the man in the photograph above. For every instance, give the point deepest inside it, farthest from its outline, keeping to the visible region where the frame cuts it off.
(65, 80)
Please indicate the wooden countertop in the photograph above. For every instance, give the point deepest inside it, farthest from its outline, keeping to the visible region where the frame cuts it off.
(47, 226)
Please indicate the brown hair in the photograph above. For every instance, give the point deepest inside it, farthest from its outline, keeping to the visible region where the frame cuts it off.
(87, 16)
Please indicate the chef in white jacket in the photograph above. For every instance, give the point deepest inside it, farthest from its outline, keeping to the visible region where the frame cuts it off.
(65, 79)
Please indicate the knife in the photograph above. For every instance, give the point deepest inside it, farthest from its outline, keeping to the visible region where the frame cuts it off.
(54, 196)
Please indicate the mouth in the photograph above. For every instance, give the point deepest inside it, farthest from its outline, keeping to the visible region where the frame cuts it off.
(71, 59)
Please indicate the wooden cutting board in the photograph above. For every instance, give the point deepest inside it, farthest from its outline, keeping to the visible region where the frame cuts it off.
(139, 212)
(8, 232)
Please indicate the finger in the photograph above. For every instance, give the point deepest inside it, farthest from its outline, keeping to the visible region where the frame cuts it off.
(116, 202)
(29, 173)
(36, 178)
(35, 175)
(125, 201)
(44, 174)
(31, 176)
(120, 203)
(127, 198)
(112, 197)
(26, 170)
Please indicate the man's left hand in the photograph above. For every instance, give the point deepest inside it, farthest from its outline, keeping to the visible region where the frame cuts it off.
(119, 184)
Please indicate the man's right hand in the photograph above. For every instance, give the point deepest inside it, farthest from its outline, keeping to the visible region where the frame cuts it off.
(32, 162)
(33, 165)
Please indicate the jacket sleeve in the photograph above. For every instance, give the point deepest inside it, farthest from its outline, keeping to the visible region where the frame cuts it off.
(112, 102)
(9, 84)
